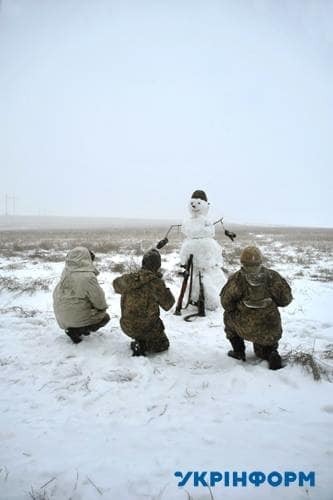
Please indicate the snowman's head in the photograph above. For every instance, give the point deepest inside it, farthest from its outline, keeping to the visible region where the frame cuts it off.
(198, 204)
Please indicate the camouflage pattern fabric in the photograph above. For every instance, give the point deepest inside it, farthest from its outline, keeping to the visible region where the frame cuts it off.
(264, 351)
(153, 339)
(142, 295)
(251, 306)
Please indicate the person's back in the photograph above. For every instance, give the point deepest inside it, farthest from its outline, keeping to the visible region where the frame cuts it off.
(250, 299)
(142, 295)
(78, 300)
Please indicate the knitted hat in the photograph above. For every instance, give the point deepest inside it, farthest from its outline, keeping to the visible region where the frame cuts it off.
(199, 194)
(151, 260)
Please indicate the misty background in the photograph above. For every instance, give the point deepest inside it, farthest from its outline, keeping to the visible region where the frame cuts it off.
(124, 108)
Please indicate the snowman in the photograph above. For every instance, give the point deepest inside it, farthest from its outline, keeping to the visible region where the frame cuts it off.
(199, 241)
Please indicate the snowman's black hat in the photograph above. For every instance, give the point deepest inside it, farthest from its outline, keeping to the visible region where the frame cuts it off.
(200, 194)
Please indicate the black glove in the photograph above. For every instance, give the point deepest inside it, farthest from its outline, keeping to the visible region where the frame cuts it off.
(162, 243)
(230, 234)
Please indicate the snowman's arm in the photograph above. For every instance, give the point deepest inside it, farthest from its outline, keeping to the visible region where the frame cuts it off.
(165, 240)
(228, 233)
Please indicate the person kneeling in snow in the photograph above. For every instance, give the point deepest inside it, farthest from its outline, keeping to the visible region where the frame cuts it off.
(251, 298)
(78, 300)
(142, 294)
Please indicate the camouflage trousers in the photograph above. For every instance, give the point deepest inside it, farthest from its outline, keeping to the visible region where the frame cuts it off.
(261, 351)
(152, 339)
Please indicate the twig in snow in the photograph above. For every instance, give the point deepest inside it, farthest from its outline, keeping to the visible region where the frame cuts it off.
(6, 472)
(35, 495)
(86, 383)
(47, 383)
(48, 482)
(210, 491)
(94, 485)
(159, 415)
(160, 494)
(163, 411)
(313, 347)
(76, 481)
(189, 394)
(173, 385)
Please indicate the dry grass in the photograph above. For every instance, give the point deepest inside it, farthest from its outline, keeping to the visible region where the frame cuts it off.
(38, 495)
(300, 249)
(26, 286)
(311, 364)
(130, 265)
(19, 311)
(328, 353)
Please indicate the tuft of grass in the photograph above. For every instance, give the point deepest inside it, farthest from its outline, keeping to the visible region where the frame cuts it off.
(129, 265)
(45, 256)
(27, 286)
(324, 275)
(311, 364)
(38, 495)
(328, 353)
(23, 313)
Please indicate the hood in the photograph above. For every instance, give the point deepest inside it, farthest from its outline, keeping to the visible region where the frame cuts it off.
(255, 275)
(132, 281)
(79, 259)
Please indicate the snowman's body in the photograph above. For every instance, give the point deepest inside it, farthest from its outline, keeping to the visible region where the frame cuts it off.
(207, 253)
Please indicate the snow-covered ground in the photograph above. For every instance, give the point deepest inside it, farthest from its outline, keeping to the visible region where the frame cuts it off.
(89, 421)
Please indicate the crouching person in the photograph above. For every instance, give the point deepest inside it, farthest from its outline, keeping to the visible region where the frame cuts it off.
(78, 300)
(142, 294)
(250, 299)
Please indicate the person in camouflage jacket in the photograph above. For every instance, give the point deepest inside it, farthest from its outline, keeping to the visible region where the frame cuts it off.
(250, 299)
(142, 295)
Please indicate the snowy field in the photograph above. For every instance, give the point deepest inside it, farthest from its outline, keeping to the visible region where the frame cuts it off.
(89, 422)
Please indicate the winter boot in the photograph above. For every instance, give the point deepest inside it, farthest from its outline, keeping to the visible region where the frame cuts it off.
(238, 351)
(74, 336)
(274, 361)
(138, 348)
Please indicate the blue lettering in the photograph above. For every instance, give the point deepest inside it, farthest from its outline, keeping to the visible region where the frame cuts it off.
(236, 479)
(199, 478)
(183, 479)
(274, 479)
(289, 477)
(302, 478)
(257, 478)
(215, 477)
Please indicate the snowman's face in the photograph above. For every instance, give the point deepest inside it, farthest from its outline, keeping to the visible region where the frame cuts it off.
(198, 206)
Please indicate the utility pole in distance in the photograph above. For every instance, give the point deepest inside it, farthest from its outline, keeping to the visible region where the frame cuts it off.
(13, 198)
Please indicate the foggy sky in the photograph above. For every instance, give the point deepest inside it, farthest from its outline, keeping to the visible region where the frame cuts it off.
(123, 108)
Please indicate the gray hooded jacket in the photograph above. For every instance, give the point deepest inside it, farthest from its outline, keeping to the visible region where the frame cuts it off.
(78, 299)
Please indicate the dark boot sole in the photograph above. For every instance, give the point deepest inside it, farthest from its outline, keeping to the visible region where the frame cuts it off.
(237, 355)
(137, 349)
(275, 362)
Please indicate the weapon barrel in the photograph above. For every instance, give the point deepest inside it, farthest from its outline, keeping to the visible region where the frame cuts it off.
(184, 286)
